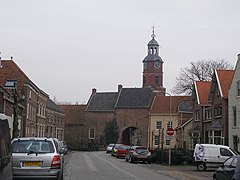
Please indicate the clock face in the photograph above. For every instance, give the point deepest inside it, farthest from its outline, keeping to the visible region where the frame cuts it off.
(157, 64)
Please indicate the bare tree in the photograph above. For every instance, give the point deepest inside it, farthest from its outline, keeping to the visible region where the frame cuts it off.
(201, 70)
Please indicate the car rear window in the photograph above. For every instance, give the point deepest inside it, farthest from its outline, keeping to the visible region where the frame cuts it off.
(124, 147)
(32, 146)
(141, 150)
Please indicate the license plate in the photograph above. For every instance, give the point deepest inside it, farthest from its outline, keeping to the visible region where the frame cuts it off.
(143, 157)
(31, 164)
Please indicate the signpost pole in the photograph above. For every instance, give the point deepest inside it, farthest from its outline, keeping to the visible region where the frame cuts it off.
(169, 161)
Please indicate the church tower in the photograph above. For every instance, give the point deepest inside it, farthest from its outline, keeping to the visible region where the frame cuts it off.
(153, 67)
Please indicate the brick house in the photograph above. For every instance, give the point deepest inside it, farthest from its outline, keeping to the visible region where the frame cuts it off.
(32, 118)
(131, 110)
(217, 131)
(210, 107)
(234, 109)
(100, 110)
(202, 112)
(185, 113)
(54, 124)
(85, 124)
(75, 126)
(6, 107)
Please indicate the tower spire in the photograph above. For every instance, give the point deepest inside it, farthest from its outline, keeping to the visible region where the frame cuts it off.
(153, 34)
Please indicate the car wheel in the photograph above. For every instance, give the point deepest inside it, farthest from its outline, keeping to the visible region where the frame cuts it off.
(60, 177)
(201, 166)
(149, 162)
(117, 156)
(131, 160)
(214, 177)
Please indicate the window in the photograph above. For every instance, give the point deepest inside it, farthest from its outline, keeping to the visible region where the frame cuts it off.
(225, 152)
(238, 88)
(197, 116)
(91, 133)
(234, 163)
(167, 142)
(156, 140)
(208, 114)
(159, 125)
(169, 124)
(145, 65)
(218, 111)
(30, 94)
(234, 116)
(156, 80)
(228, 162)
(235, 142)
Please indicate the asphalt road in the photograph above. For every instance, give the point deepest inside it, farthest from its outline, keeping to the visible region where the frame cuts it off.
(102, 166)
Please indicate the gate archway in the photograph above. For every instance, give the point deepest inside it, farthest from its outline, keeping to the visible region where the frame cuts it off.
(132, 136)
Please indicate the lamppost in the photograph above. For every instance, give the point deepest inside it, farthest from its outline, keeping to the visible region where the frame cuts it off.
(170, 125)
(12, 84)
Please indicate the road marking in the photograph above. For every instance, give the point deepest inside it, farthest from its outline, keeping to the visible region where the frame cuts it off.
(89, 162)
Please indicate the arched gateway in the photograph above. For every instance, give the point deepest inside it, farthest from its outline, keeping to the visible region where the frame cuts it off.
(132, 136)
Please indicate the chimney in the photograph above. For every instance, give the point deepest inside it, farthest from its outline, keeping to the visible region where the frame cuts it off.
(238, 57)
(94, 91)
(11, 57)
(119, 87)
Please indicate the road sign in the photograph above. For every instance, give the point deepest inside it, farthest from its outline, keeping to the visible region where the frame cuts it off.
(170, 131)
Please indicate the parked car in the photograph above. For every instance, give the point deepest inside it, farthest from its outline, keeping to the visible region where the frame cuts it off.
(138, 153)
(5, 149)
(64, 147)
(114, 149)
(122, 151)
(109, 148)
(230, 169)
(211, 155)
(37, 158)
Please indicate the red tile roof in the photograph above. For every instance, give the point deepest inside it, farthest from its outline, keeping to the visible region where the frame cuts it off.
(202, 89)
(161, 104)
(224, 78)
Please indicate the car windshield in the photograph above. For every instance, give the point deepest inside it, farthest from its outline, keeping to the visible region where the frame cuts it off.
(32, 146)
(235, 151)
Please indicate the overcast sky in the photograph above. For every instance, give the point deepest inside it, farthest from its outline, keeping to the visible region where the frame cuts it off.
(68, 47)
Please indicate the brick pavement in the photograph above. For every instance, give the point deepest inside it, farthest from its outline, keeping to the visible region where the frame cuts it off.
(183, 172)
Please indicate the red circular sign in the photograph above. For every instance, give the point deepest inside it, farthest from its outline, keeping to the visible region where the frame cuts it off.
(170, 131)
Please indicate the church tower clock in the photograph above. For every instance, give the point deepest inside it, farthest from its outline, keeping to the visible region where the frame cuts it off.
(153, 67)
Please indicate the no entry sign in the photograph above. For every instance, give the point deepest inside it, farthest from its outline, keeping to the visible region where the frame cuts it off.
(170, 131)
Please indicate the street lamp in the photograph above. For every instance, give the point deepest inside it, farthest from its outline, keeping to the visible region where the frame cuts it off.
(170, 124)
(170, 116)
(12, 84)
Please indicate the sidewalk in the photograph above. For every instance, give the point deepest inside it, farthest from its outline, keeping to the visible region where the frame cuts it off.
(182, 172)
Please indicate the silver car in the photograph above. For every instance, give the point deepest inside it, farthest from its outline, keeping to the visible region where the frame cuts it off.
(37, 158)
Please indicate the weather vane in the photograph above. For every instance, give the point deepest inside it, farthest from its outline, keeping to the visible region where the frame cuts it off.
(153, 35)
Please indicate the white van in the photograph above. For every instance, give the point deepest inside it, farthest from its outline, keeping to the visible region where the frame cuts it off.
(211, 155)
(5, 149)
